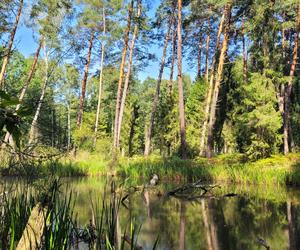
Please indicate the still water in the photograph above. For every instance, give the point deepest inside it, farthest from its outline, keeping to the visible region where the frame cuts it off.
(257, 217)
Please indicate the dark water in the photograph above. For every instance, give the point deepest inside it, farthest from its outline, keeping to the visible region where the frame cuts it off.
(257, 216)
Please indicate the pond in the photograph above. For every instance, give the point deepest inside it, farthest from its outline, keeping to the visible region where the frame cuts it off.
(230, 217)
(227, 217)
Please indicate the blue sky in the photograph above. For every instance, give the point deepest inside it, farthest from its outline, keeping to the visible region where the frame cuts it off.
(27, 45)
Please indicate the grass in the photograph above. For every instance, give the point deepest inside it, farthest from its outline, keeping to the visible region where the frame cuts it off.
(277, 169)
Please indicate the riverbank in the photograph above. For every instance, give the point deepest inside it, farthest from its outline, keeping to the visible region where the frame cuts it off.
(278, 169)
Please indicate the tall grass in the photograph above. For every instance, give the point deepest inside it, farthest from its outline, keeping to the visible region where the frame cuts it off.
(15, 209)
(60, 228)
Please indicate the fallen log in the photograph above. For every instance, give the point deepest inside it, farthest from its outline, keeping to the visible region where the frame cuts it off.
(32, 234)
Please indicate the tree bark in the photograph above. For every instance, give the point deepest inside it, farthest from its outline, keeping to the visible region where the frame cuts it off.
(199, 57)
(149, 128)
(212, 118)
(10, 44)
(207, 50)
(38, 110)
(173, 57)
(119, 91)
(84, 81)
(27, 82)
(127, 77)
(183, 144)
(100, 81)
(134, 117)
(210, 89)
(288, 90)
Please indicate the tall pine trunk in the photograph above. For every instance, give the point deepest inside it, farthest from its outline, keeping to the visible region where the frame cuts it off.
(10, 44)
(199, 56)
(173, 56)
(84, 81)
(288, 90)
(119, 91)
(26, 84)
(183, 144)
(207, 50)
(100, 82)
(210, 88)
(149, 128)
(213, 109)
(33, 126)
(127, 77)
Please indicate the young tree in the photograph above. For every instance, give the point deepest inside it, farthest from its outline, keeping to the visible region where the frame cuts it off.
(149, 128)
(49, 19)
(100, 78)
(43, 92)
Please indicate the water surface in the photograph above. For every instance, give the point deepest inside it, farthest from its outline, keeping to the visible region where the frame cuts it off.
(255, 217)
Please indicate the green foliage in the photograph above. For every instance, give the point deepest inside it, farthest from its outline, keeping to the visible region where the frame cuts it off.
(195, 115)
(256, 119)
(9, 119)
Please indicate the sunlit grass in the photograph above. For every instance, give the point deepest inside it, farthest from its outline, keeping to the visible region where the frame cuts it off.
(277, 169)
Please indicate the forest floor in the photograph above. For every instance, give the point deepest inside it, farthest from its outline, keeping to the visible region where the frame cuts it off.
(277, 169)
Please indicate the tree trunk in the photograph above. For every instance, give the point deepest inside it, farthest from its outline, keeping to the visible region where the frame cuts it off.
(157, 93)
(119, 91)
(227, 14)
(207, 50)
(245, 60)
(84, 81)
(173, 57)
(69, 128)
(183, 144)
(126, 84)
(52, 128)
(27, 82)
(288, 90)
(210, 89)
(100, 82)
(134, 117)
(281, 90)
(38, 110)
(199, 57)
(10, 44)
